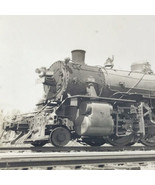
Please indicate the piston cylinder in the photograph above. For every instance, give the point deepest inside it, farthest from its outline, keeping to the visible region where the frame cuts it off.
(94, 119)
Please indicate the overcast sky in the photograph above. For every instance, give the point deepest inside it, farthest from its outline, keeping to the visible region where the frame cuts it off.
(28, 42)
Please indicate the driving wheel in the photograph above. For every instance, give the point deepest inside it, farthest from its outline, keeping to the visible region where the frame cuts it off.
(149, 138)
(121, 140)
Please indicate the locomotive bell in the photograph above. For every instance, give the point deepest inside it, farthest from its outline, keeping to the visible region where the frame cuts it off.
(109, 62)
(78, 56)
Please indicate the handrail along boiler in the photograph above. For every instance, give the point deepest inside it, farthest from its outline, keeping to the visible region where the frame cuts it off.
(93, 105)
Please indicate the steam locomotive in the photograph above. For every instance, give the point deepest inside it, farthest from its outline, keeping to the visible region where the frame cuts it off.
(92, 105)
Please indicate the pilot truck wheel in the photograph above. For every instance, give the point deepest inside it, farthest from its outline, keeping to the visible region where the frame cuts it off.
(60, 136)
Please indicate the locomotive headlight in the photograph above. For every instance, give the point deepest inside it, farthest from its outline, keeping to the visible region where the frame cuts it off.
(37, 70)
(41, 71)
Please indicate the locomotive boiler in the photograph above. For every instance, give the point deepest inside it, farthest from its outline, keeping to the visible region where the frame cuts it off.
(93, 104)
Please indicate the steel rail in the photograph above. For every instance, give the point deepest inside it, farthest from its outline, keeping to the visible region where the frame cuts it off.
(8, 161)
(75, 148)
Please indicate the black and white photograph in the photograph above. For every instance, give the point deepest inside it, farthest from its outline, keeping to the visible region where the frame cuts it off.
(77, 92)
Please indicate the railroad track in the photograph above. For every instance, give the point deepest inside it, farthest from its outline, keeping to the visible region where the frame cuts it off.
(16, 160)
(74, 148)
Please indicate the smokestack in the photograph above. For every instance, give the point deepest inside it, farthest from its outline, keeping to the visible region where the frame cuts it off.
(78, 56)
